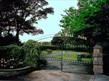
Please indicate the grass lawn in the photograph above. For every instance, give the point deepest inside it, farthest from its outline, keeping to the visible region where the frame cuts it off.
(44, 53)
(67, 55)
(73, 56)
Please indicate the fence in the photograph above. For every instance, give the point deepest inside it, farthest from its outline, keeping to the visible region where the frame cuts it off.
(69, 58)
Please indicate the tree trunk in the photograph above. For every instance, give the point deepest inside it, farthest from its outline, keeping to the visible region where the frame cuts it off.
(17, 32)
(17, 36)
(0, 34)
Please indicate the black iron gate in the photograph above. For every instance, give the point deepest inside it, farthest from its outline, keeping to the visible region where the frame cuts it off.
(69, 60)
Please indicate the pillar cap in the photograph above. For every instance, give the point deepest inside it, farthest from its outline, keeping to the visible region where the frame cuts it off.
(97, 47)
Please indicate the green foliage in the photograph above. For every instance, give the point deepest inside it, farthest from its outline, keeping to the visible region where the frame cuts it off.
(52, 47)
(57, 40)
(32, 51)
(89, 10)
(13, 55)
(90, 20)
(19, 56)
(68, 20)
(15, 52)
(75, 19)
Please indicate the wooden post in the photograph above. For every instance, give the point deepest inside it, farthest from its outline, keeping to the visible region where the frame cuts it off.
(98, 60)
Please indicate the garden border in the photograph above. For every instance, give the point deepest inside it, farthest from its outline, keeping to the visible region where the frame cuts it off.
(15, 72)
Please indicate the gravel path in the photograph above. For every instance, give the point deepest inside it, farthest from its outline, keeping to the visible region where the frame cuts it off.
(54, 75)
(45, 75)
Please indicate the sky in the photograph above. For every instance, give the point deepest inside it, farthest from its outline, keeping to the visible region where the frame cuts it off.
(50, 26)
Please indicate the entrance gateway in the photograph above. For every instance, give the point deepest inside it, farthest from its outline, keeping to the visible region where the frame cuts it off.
(63, 54)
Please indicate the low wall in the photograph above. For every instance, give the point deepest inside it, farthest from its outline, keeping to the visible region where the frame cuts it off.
(14, 72)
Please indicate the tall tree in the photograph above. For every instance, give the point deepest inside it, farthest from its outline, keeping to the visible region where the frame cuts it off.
(68, 19)
(91, 20)
(93, 26)
(20, 15)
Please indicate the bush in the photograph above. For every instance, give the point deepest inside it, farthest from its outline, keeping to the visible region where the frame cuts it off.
(16, 53)
(41, 63)
(32, 53)
(12, 56)
(17, 56)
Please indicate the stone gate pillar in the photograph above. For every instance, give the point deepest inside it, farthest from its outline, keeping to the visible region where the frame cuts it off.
(98, 60)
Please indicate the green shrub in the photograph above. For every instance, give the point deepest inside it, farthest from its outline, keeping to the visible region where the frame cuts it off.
(26, 55)
(32, 53)
(16, 54)
(41, 63)
(13, 55)
(15, 51)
